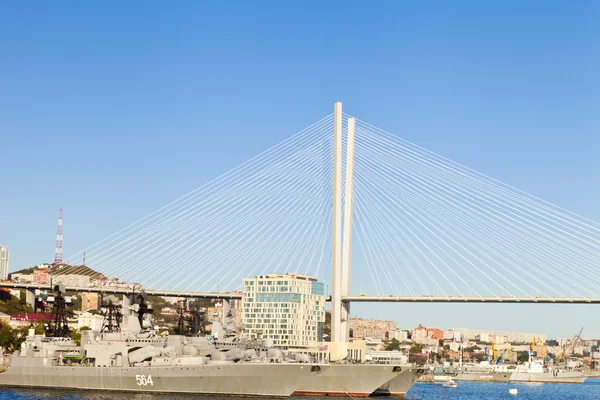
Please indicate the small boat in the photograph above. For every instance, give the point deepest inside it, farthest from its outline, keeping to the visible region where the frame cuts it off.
(73, 357)
(450, 384)
(513, 391)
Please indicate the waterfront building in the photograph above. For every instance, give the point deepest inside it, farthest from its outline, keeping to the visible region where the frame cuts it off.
(3, 263)
(386, 357)
(288, 308)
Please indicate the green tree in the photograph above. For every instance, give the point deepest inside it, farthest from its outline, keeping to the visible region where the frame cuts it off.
(76, 336)
(327, 327)
(522, 356)
(394, 344)
(12, 305)
(418, 359)
(416, 348)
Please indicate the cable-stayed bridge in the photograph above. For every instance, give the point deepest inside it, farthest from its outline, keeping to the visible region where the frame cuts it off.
(344, 195)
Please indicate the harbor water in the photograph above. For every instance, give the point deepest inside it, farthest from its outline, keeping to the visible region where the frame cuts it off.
(590, 390)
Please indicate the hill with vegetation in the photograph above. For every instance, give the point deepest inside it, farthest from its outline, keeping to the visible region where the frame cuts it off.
(67, 269)
(12, 305)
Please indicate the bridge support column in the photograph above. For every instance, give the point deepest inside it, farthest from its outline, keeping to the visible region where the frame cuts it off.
(224, 312)
(125, 305)
(347, 243)
(30, 298)
(336, 268)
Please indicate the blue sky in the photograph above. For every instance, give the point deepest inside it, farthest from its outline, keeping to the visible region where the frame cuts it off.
(112, 110)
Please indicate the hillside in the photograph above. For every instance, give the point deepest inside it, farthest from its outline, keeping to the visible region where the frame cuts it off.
(12, 305)
(66, 269)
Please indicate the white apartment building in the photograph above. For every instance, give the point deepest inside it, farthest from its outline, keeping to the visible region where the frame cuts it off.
(92, 321)
(71, 280)
(21, 278)
(3, 263)
(399, 335)
(287, 308)
(506, 337)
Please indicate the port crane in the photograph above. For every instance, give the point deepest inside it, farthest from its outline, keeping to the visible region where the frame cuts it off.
(568, 350)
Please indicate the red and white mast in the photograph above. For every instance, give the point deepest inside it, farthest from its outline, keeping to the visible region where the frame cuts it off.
(58, 252)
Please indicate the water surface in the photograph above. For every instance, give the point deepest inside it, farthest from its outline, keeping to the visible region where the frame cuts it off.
(590, 390)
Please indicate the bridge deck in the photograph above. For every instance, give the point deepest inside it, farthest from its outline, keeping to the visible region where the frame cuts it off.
(472, 299)
(350, 299)
(108, 290)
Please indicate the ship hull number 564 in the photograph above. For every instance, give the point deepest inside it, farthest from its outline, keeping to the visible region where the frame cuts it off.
(143, 380)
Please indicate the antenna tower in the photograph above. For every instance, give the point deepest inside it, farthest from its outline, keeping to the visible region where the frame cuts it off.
(58, 252)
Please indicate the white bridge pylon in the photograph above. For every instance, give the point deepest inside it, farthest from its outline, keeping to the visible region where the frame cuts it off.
(343, 195)
(342, 245)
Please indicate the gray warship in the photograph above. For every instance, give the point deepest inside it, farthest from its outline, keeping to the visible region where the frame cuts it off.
(143, 362)
(399, 385)
(135, 358)
(535, 371)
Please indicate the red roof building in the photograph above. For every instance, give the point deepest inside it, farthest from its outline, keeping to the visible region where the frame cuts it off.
(28, 319)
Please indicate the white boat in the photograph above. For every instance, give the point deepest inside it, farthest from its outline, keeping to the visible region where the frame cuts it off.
(450, 384)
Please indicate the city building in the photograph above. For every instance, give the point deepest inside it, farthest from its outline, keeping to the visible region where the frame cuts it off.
(427, 336)
(399, 335)
(22, 320)
(21, 278)
(92, 321)
(372, 329)
(41, 276)
(89, 301)
(386, 357)
(3, 263)
(508, 337)
(71, 280)
(288, 308)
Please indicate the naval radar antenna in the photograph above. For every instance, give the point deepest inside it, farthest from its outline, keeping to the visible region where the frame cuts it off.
(191, 321)
(182, 311)
(112, 316)
(142, 307)
(195, 322)
(59, 326)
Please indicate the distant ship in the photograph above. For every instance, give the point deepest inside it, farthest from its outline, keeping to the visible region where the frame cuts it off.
(484, 372)
(535, 371)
